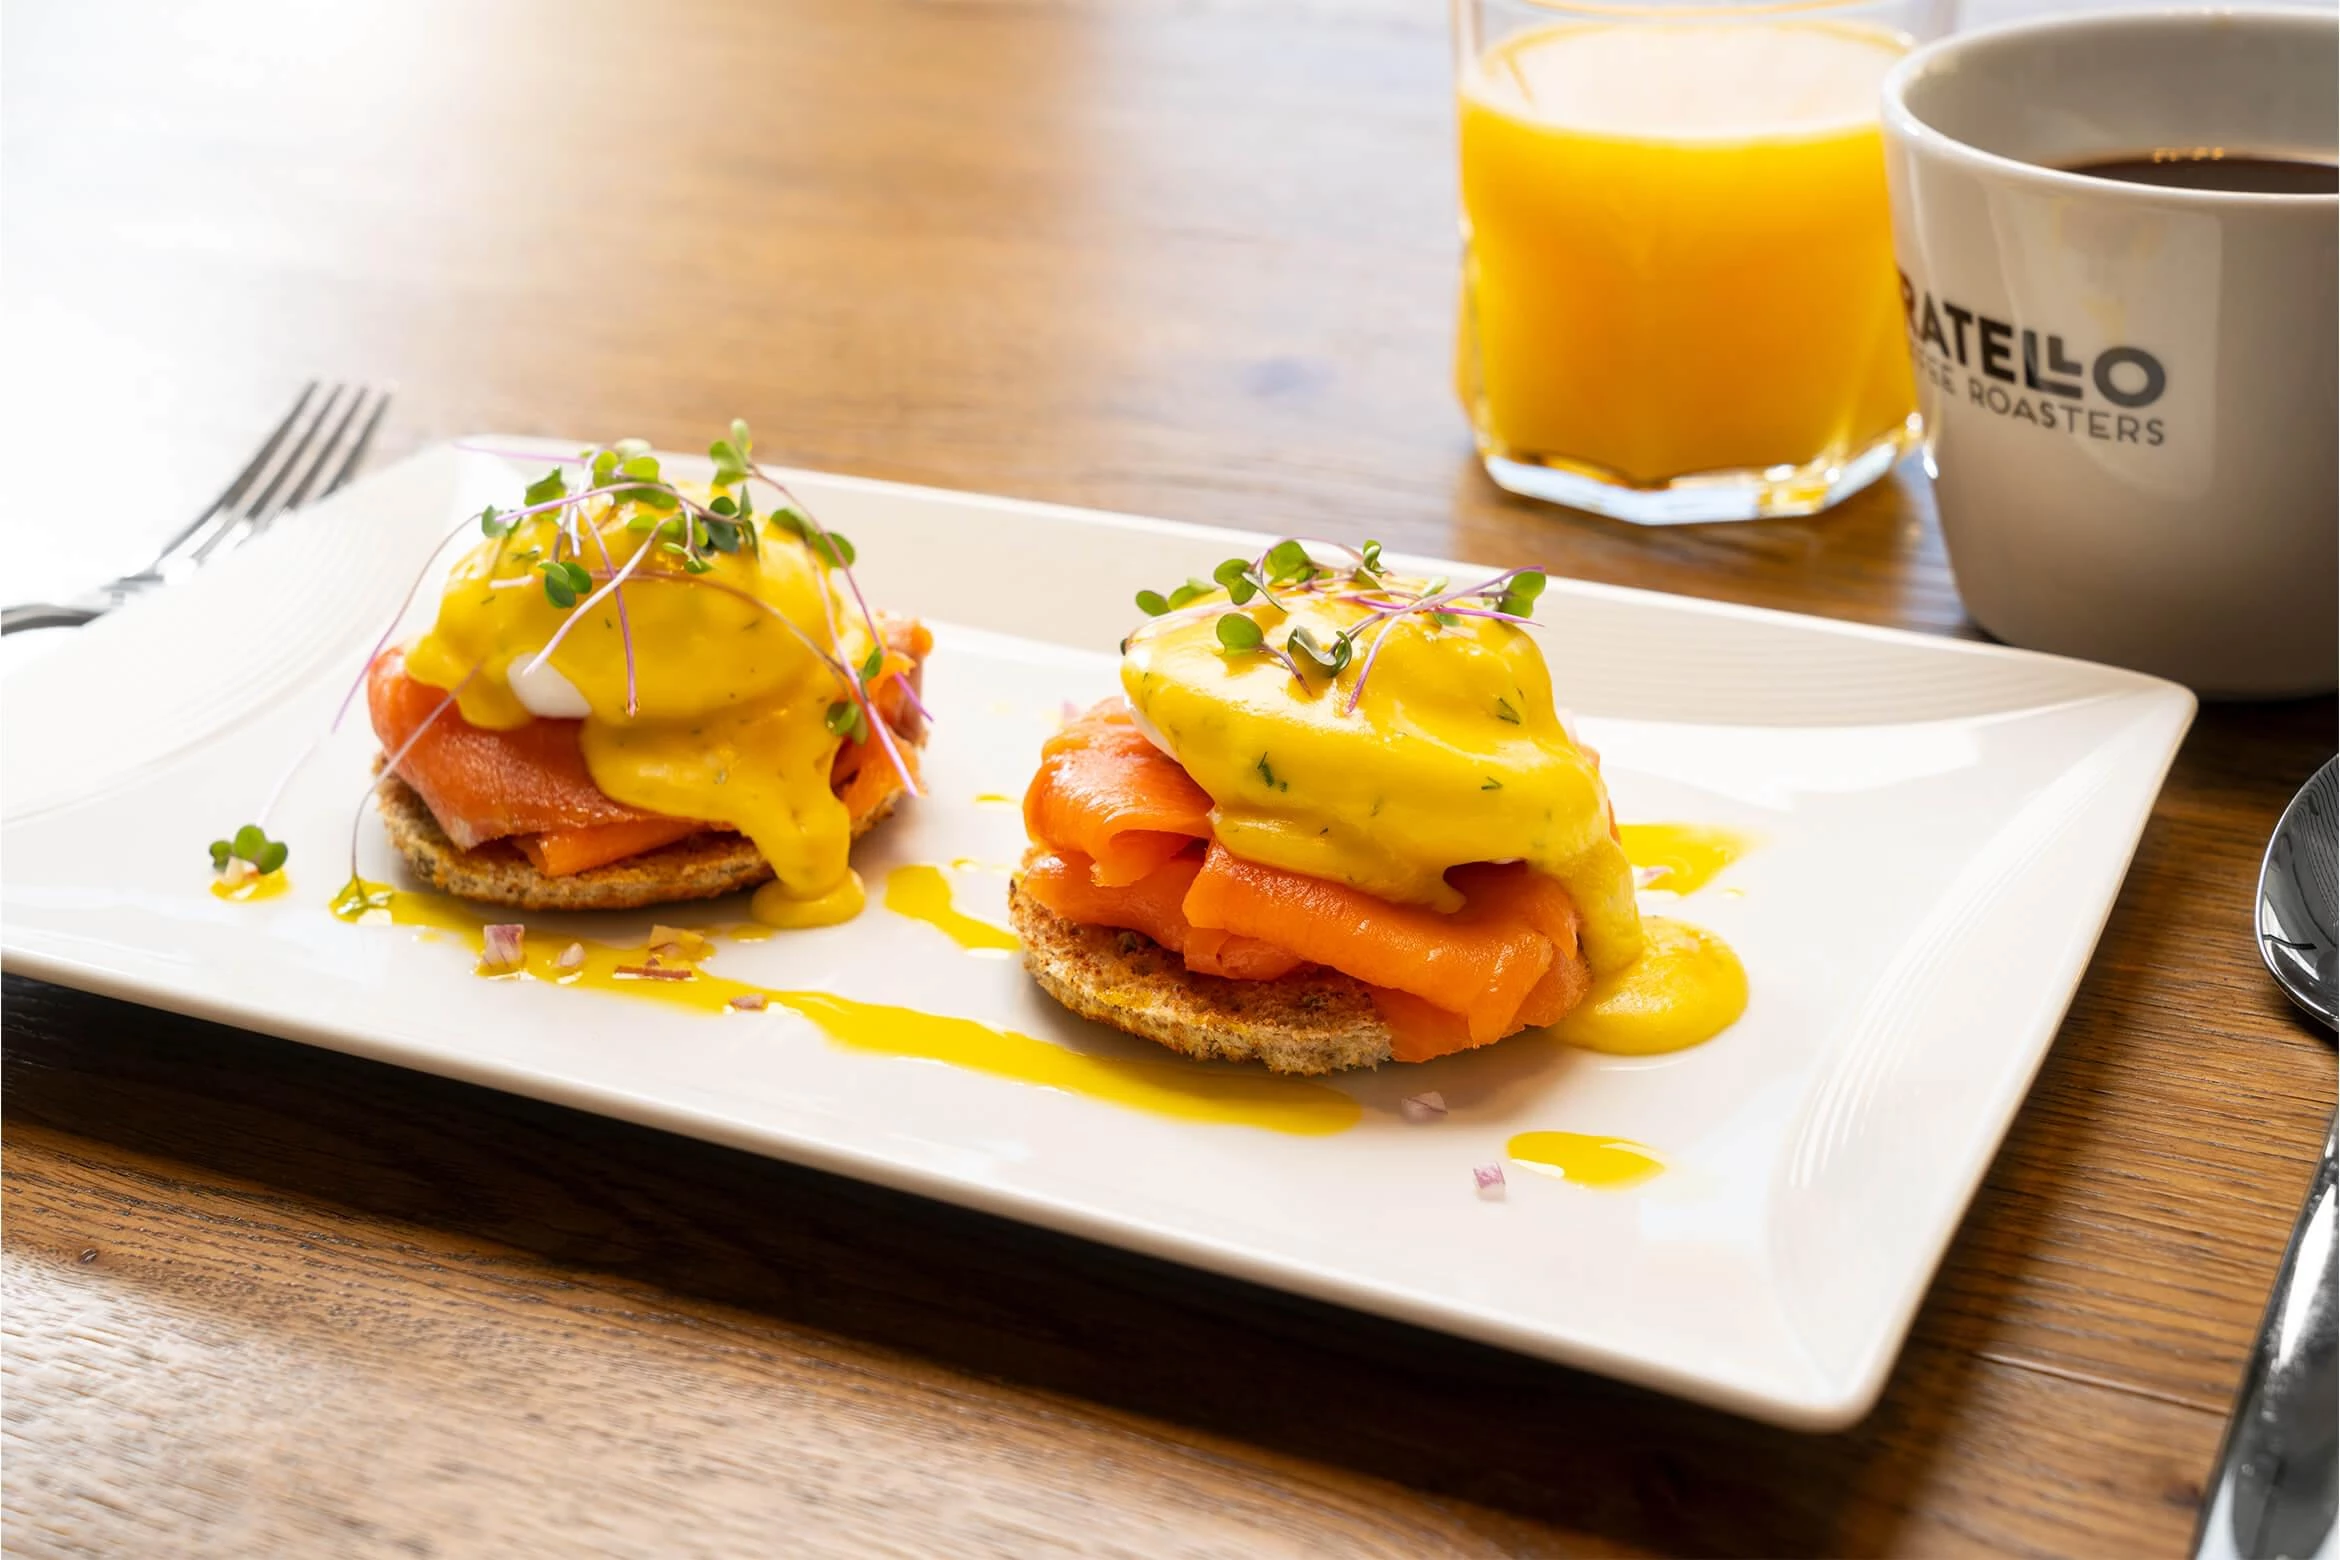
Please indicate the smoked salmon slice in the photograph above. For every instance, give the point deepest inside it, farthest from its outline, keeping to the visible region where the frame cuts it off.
(560, 852)
(1106, 794)
(1153, 905)
(1118, 821)
(1492, 962)
(530, 784)
(486, 785)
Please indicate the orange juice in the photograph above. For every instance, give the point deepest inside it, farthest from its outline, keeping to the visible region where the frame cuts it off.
(1679, 259)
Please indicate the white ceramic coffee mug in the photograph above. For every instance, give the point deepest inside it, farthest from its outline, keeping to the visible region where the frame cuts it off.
(2128, 390)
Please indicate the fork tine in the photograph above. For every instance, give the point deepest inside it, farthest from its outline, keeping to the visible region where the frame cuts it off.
(266, 508)
(223, 508)
(300, 493)
(357, 449)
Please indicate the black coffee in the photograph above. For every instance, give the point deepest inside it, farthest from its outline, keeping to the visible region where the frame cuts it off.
(2213, 168)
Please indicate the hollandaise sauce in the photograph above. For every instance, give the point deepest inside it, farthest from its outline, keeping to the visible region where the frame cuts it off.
(1166, 1087)
(1585, 1158)
(1686, 987)
(1681, 858)
(264, 885)
(1366, 797)
(700, 695)
(922, 892)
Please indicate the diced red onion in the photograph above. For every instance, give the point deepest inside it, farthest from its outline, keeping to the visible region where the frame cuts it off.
(500, 946)
(572, 957)
(1423, 1107)
(1490, 1181)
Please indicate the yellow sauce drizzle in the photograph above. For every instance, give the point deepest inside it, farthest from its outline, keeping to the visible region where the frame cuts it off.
(267, 886)
(1685, 856)
(923, 893)
(1184, 1090)
(1686, 987)
(994, 799)
(1586, 1158)
(774, 906)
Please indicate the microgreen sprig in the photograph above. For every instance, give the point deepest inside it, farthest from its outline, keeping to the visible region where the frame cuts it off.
(251, 846)
(1288, 570)
(680, 528)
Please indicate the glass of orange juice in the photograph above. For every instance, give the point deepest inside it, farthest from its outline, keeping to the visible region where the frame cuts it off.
(1679, 300)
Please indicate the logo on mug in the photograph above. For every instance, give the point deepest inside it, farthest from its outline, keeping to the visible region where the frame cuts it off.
(2030, 376)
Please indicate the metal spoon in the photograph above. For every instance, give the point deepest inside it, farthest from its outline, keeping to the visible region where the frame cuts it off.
(2278, 1479)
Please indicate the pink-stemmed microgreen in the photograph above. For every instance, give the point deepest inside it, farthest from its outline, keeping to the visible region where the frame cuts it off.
(683, 528)
(1288, 570)
(674, 525)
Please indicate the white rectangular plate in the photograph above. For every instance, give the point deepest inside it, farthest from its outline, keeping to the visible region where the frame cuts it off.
(1941, 828)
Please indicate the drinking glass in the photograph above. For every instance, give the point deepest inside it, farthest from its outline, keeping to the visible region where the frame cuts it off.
(1679, 300)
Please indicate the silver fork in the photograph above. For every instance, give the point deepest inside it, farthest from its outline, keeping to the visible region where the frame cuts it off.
(310, 454)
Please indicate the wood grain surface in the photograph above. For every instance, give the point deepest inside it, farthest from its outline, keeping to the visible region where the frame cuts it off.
(1188, 259)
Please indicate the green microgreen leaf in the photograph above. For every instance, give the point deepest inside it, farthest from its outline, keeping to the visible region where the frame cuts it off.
(845, 719)
(788, 521)
(1504, 711)
(1492, 784)
(553, 484)
(250, 844)
(605, 465)
(1520, 593)
(1241, 584)
(873, 663)
(1289, 561)
(642, 468)
(723, 506)
(493, 523)
(1239, 633)
(1192, 590)
(739, 437)
(1152, 603)
(1326, 659)
(722, 535)
(564, 582)
(694, 564)
(1370, 563)
(832, 549)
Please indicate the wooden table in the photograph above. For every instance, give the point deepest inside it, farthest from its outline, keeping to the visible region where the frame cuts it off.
(1193, 260)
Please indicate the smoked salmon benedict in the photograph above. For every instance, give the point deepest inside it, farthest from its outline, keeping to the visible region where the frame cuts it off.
(1334, 821)
(635, 691)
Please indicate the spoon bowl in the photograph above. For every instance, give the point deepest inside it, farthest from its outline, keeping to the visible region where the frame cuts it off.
(2298, 883)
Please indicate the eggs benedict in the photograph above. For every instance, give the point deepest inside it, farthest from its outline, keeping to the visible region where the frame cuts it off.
(1334, 821)
(634, 692)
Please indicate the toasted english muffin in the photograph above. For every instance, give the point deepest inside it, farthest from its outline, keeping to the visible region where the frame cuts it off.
(1310, 1021)
(705, 866)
